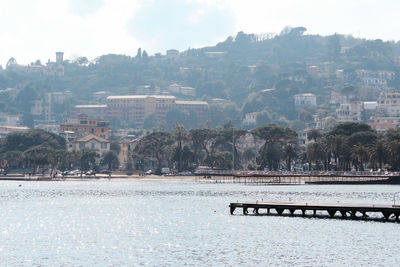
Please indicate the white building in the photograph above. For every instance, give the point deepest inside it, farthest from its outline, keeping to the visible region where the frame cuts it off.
(305, 100)
(250, 118)
(9, 120)
(350, 112)
(375, 78)
(188, 91)
(389, 103)
(91, 142)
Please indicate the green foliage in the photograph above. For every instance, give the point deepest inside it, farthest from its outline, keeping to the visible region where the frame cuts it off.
(22, 141)
(115, 147)
(153, 146)
(87, 159)
(349, 128)
(110, 159)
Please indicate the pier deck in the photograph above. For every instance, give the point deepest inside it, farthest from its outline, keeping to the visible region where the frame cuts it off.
(297, 179)
(332, 210)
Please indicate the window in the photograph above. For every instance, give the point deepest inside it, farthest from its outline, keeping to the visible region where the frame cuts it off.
(93, 146)
(81, 145)
(103, 145)
(92, 131)
(102, 130)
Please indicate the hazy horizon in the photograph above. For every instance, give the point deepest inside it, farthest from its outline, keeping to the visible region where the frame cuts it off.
(91, 28)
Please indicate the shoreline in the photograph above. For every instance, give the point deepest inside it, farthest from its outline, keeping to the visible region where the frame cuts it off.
(87, 178)
(395, 180)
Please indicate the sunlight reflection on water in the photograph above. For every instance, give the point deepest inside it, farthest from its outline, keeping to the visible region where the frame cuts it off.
(123, 223)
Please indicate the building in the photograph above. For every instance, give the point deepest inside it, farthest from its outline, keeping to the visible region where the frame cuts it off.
(303, 137)
(55, 68)
(84, 126)
(305, 100)
(188, 91)
(369, 110)
(92, 111)
(174, 88)
(350, 112)
(200, 108)
(137, 107)
(48, 126)
(172, 53)
(101, 96)
(215, 54)
(126, 147)
(387, 113)
(69, 136)
(219, 101)
(337, 98)
(375, 78)
(184, 90)
(4, 130)
(389, 103)
(91, 142)
(384, 123)
(59, 57)
(250, 119)
(10, 120)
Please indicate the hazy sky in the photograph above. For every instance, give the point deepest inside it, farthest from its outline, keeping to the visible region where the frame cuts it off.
(36, 29)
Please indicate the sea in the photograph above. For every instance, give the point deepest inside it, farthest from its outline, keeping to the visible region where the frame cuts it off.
(184, 223)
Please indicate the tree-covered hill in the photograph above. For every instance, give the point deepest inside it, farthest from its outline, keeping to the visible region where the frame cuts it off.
(238, 70)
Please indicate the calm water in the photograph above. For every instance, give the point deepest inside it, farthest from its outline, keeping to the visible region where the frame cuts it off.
(125, 223)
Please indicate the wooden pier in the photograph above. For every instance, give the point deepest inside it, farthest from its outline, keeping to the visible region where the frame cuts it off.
(313, 209)
(297, 179)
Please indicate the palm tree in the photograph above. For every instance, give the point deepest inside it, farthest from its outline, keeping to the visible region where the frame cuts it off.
(289, 153)
(335, 145)
(378, 153)
(359, 154)
(180, 135)
(315, 153)
(394, 153)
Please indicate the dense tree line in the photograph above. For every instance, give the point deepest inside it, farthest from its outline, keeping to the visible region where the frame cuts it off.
(346, 147)
(38, 150)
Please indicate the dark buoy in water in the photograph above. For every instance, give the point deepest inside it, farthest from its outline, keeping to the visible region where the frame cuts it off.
(19, 185)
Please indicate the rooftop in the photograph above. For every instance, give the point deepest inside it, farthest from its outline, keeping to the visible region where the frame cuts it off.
(187, 102)
(139, 96)
(307, 94)
(91, 106)
(91, 137)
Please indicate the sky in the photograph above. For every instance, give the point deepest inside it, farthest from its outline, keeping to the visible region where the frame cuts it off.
(31, 30)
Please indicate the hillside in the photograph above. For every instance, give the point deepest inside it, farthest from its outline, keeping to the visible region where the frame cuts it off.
(237, 71)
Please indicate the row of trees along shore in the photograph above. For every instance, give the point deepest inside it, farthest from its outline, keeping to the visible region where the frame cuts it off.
(348, 146)
(40, 151)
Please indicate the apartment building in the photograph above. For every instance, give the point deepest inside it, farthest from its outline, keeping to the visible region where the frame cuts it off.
(388, 112)
(375, 78)
(137, 107)
(84, 126)
(384, 123)
(92, 111)
(389, 103)
(305, 100)
(349, 112)
(200, 108)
